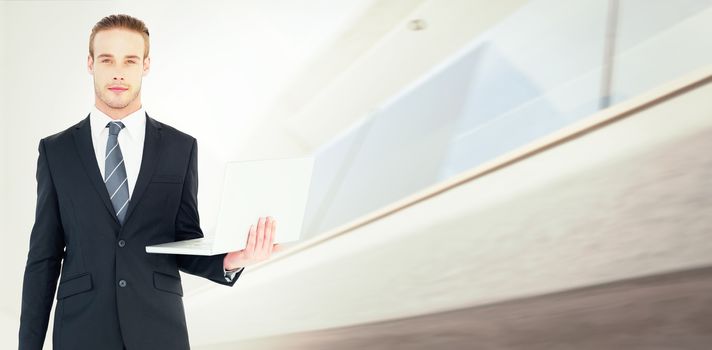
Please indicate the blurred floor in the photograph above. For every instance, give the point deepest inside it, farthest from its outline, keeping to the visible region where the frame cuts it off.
(670, 311)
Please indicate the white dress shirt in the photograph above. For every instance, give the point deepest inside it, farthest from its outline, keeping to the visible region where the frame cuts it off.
(130, 139)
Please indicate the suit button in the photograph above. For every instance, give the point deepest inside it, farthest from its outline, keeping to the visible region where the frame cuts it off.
(122, 283)
(122, 243)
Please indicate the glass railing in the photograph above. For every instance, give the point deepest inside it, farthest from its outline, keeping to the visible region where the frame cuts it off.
(544, 67)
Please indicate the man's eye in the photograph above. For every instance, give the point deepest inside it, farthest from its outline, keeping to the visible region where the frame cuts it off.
(105, 61)
(132, 61)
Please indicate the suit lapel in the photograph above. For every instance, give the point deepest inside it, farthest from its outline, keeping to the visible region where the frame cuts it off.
(151, 150)
(85, 148)
(149, 160)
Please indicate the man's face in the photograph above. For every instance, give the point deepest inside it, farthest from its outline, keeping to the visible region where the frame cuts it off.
(118, 67)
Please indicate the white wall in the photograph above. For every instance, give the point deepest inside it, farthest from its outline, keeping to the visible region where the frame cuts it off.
(8, 323)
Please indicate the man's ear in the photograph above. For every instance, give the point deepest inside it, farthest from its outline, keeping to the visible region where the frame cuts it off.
(90, 65)
(146, 65)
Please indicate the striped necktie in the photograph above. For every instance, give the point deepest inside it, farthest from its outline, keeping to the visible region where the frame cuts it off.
(115, 172)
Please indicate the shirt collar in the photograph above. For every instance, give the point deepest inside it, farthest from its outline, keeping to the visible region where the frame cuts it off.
(135, 123)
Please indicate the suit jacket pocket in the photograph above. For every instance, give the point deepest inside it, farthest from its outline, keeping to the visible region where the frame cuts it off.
(167, 283)
(74, 285)
(167, 178)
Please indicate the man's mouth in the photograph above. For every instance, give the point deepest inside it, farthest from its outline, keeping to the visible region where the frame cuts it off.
(118, 88)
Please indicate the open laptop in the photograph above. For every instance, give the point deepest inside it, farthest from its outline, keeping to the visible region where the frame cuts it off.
(253, 189)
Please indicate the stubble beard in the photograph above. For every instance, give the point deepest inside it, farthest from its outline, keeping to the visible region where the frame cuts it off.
(106, 97)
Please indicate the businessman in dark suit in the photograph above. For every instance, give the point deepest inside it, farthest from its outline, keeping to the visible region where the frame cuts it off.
(107, 187)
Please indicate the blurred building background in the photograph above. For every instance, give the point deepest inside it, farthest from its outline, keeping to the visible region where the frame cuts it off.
(489, 174)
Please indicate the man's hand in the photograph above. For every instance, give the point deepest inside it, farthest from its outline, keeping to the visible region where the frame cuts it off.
(259, 245)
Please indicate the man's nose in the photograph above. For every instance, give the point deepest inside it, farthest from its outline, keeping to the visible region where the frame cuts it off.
(116, 77)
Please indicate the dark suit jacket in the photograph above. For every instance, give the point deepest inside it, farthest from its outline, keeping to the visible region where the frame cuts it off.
(111, 292)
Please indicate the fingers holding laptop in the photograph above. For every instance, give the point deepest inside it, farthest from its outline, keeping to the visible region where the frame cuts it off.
(259, 247)
(260, 239)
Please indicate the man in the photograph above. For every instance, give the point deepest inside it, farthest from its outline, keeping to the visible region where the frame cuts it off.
(107, 187)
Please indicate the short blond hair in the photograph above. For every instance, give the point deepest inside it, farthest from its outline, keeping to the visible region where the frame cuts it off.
(120, 21)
